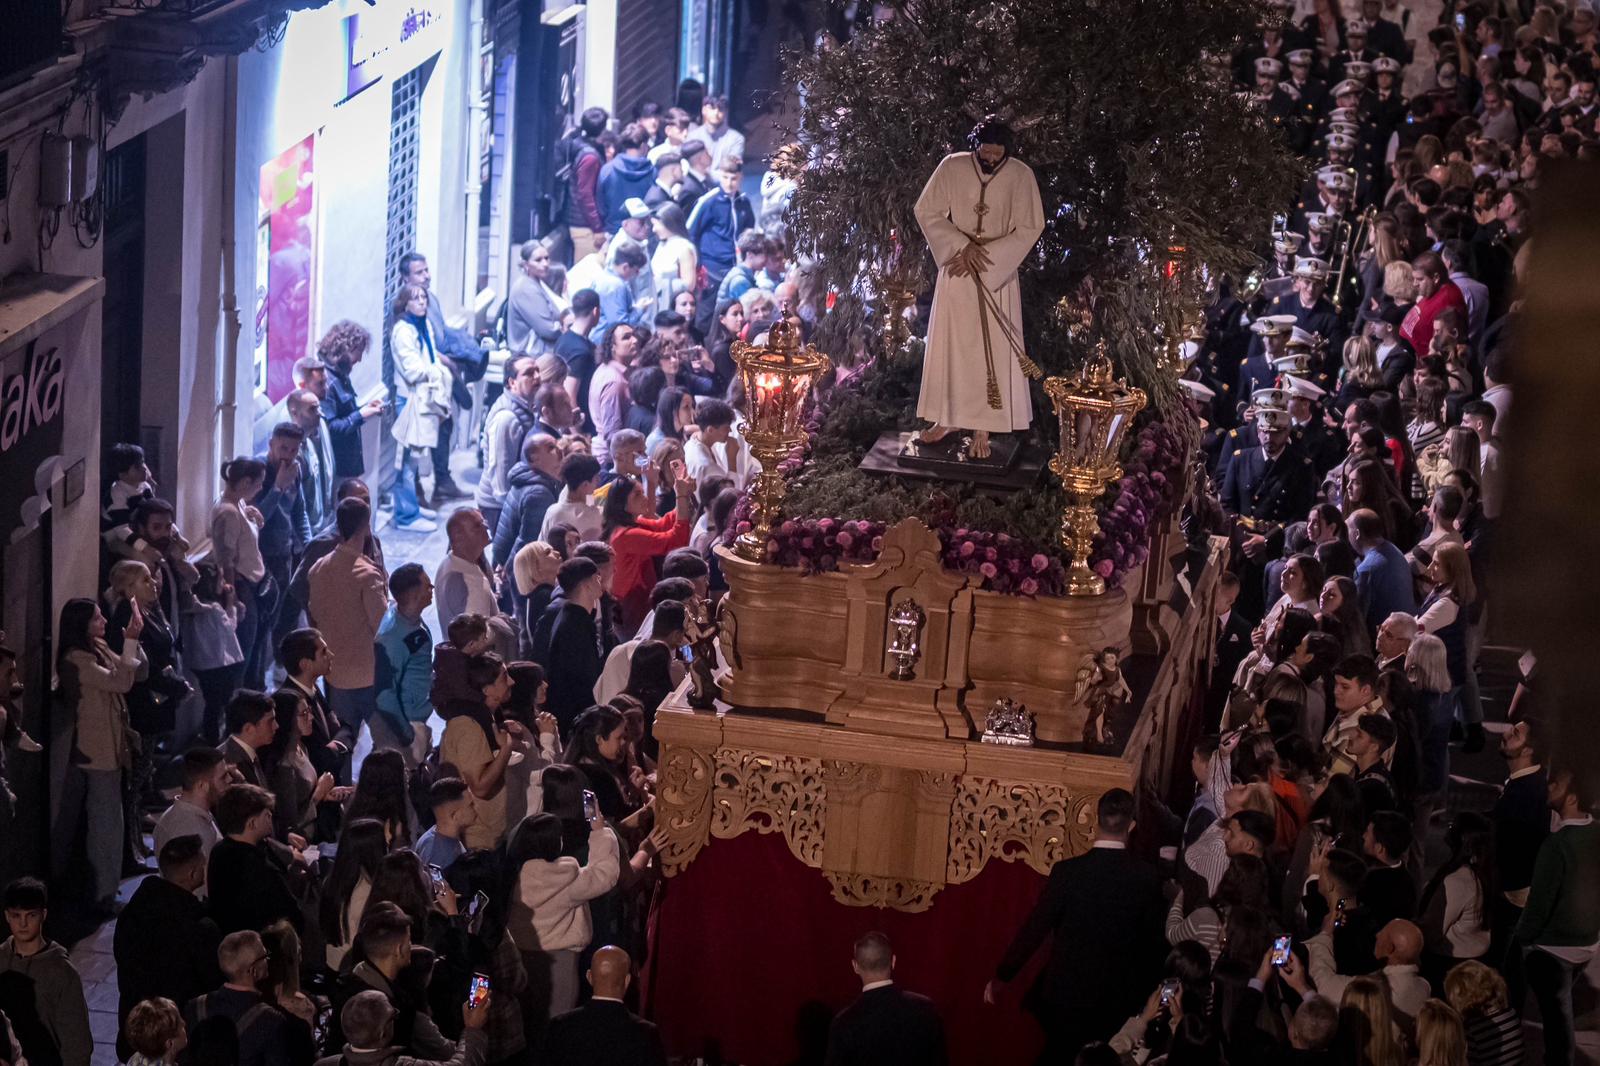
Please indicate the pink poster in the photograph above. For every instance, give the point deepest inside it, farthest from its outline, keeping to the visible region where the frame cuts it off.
(288, 204)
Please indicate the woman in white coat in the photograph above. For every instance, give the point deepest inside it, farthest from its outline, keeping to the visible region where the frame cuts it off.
(422, 401)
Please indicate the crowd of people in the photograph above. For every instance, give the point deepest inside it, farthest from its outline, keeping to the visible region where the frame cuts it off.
(309, 904)
(1328, 902)
(479, 896)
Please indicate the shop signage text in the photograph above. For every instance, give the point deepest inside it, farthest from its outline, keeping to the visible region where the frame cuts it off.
(30, 398)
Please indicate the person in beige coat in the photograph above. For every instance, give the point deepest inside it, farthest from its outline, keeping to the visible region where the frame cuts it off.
(349, 595)
(95, 683)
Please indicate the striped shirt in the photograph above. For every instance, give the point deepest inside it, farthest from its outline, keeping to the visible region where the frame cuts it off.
(1494, 1039)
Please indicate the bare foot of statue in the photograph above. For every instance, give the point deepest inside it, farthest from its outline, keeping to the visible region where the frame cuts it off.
(934, 434)
(980, 444)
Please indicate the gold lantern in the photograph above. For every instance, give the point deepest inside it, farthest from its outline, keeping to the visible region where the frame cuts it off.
(777, 378)
(1095, 411)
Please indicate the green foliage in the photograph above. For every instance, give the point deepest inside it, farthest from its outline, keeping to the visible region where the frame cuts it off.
(1138, 146)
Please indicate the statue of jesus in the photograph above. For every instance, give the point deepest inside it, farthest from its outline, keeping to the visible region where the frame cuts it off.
(981, 214)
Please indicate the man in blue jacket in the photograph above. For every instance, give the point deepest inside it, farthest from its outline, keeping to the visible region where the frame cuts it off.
(714, 226)
(403, 668)
(1383, 577)
(629, 174)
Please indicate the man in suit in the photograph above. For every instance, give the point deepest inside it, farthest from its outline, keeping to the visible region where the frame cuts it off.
(603, 1032)
(1106, 911)
(305, 659)
(1273, 483)
(1383, 36)
(1233, 644)
(305, 411)
(886, 1024)
(1521, 821)
(696, 175)
(252, 723)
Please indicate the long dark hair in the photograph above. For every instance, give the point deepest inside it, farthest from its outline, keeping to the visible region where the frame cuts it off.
(1471, 841)
(671, 216)
(403, 880)
(583, 748)
(1293, 626)
(559, 536)
(1348, 621)
(614, 514)
(361, 848)
(76, 615)
(381, 793)
(286, 707)
(650, 675)
(73, 633)
(537, 838)
(1340, 808)
(562, 791)
(667, 412)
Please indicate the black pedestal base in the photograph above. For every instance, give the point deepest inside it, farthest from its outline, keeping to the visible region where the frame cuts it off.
(1013, 463)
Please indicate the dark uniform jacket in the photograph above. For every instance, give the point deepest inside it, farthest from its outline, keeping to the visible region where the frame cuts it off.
(1272, 490)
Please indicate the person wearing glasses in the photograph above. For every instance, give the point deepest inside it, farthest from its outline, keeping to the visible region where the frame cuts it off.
(267, 1035)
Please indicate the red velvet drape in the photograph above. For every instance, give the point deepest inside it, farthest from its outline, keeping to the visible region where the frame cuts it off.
(751, 957)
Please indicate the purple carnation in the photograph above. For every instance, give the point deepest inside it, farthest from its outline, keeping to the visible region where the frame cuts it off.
(1041, 562)
(987, 570)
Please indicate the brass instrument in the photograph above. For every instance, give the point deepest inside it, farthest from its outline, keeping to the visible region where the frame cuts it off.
(1341, 244)
(1251, 286)
(1353, 249)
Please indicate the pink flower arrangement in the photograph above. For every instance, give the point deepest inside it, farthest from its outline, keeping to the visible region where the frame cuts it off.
(1129, 512)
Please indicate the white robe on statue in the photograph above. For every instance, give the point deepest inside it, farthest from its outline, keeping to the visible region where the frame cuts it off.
(954, 372)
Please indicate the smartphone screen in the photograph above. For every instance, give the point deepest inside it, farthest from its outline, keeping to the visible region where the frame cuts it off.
(478, 902)
(1461, 22)
(478, 992)
(591, 806)
(436, 875)
(1169, 989)
(1280, 951)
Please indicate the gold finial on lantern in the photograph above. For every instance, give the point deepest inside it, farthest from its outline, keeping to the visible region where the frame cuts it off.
(1095, 411)
(777, 378)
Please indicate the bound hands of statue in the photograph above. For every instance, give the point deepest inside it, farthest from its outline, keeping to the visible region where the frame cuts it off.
(972, 259)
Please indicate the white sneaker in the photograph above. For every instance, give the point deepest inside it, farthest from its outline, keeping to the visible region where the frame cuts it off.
(427, 512)
(418, 524)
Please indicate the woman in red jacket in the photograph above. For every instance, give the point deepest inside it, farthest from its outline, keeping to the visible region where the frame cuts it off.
(640, 538)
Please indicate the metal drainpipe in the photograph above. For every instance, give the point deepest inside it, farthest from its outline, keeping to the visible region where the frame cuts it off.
(233, 325)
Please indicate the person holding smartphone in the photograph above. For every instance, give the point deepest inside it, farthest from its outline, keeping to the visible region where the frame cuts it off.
(550, 902)
(639, 538)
